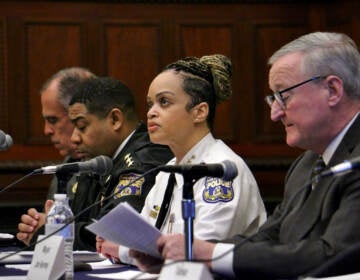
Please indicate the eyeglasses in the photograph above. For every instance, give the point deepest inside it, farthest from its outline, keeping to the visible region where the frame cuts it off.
(282, 100)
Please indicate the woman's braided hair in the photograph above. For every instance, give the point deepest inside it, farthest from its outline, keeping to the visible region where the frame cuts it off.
(206, 79)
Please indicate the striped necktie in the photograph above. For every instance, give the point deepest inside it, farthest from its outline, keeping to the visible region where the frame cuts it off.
(319, 166)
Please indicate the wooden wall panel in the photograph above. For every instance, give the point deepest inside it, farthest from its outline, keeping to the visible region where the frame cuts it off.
(132, 55)
(3, 92)
(346, 25)
(50, 46)
(268, 38)
(32, 190)
(205, 38)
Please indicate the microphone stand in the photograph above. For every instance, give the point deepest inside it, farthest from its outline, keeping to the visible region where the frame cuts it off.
(188, 213)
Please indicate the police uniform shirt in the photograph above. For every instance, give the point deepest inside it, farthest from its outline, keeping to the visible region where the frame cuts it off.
(222, 208)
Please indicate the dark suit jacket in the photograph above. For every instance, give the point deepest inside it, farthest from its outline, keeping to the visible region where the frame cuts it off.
(306, 230)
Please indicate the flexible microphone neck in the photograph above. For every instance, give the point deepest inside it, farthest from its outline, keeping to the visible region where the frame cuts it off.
(17, 181)
(101, 165)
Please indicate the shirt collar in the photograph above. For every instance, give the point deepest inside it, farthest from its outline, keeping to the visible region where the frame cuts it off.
(330, 150)
(122, 145)
(193, 155)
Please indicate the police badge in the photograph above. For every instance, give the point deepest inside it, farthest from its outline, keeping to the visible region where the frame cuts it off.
(217, 190)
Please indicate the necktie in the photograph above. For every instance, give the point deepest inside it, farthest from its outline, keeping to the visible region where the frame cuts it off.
(166, 201)
(319, 166)
(62, 181)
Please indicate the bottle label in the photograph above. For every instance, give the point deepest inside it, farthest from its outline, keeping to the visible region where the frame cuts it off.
(66, 232)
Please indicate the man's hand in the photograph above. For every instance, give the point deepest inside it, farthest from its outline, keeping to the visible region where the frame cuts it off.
(107, 248)
(31, 222)
(172, 247)
(146, 262)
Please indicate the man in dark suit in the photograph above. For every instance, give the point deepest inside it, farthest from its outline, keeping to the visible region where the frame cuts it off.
(316, 85)
(55, 96)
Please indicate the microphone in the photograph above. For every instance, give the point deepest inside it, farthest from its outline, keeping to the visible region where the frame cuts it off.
(5, 141)
(101, 165)
(342, 168)
(226, 170)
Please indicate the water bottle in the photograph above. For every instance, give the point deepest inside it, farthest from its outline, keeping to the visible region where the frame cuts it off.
(60, 213)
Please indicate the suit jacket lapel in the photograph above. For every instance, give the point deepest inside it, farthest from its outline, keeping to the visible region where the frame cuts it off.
(311, 209)
(307, 217)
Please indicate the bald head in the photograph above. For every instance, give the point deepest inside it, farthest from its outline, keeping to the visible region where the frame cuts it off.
(55, 96)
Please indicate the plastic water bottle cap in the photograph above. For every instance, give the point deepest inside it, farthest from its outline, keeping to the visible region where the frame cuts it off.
(60, 196)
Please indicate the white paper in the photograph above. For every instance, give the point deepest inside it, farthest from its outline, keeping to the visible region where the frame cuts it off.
(13, 277)
(353, 276)
(124, 226)
(124, 275)
(103, 265)
(6, 236)
(25, 257)
(106, 263)
(14, 257)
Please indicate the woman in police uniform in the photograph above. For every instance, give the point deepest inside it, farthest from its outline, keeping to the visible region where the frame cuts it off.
(182, 101)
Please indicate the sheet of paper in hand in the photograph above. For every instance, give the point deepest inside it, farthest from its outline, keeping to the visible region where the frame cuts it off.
(124, 226)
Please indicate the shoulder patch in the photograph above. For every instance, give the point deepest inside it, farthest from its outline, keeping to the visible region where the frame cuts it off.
(123, 188)
(217, 190)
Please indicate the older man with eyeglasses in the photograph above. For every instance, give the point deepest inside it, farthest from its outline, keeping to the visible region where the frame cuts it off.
(316, 85)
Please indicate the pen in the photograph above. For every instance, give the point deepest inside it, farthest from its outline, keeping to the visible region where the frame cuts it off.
(171, 222)
(114, 260)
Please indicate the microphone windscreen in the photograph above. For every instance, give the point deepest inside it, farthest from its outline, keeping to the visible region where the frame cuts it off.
(5, 141)
(103, 165)
(230, 170)
(9, 140)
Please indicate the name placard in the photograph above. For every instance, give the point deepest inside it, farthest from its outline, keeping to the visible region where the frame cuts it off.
(184, 271)
(48, 261)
